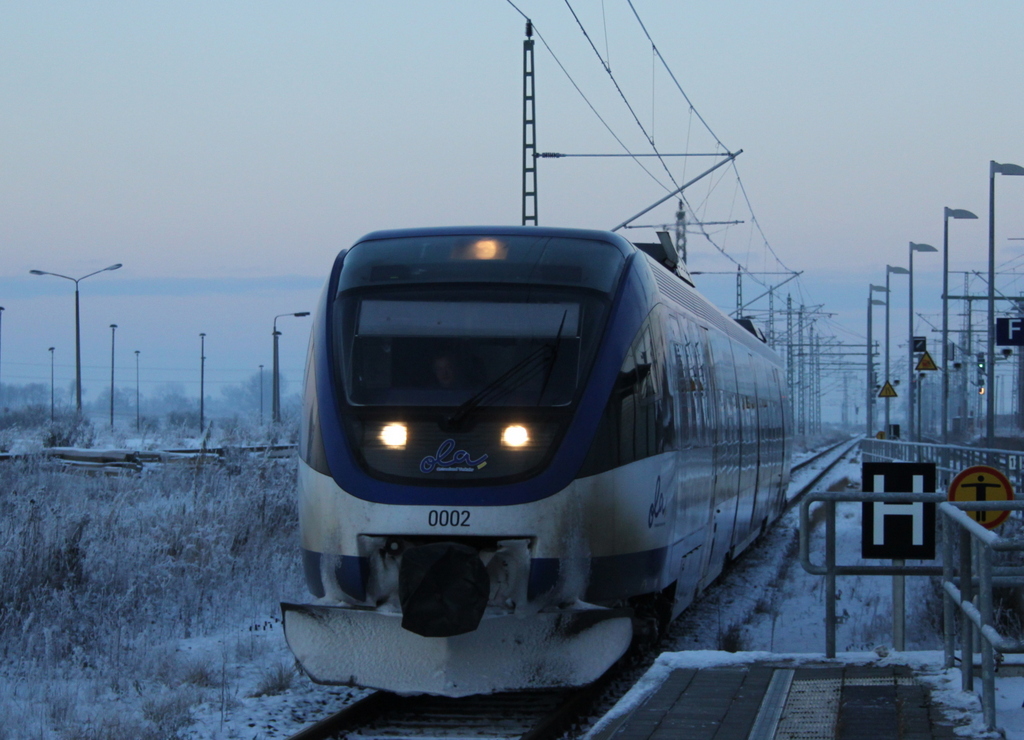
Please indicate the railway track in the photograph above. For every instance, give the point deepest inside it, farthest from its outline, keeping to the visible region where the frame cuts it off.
(116, 461)
(529, 715)
(823, 452)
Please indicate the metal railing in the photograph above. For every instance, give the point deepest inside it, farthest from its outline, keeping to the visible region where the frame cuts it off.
(830, 569)
(973, 576)
(968, 570)
(949, 459)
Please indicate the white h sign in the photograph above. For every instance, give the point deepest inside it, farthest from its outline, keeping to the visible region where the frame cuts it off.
(915, 510)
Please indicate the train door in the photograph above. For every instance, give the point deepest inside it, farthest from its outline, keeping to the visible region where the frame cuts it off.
(694, 485)
(746, 399)
(725, 444)
(784, 422)
(766, 455)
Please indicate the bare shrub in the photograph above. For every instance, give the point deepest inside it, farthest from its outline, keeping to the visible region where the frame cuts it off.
(61, 703)
(731, 639)
(71, 430)
(171, 713)
(275, 680)
(202, 673)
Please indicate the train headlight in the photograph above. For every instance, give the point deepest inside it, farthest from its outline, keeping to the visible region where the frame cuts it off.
(394, 435)
(515, 436)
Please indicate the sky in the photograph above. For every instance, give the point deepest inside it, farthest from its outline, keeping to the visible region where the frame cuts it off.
(224, 152)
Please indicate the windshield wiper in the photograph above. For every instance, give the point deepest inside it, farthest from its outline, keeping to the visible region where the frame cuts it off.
(554, 358)
(513, 378)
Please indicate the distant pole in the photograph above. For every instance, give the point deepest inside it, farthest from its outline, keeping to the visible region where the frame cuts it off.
(202, 381)
(913, 433)
(51, 385)
(945, 325)
(888, 300)
(990, 404)
(889, 270)
(870, 366)
(947, 214)
(78, 353)
(138, 407)
(872, 301)
(529, 133)
(1, 337)
(113, 328)
(261, 395)
(276, 380)
(275, 402)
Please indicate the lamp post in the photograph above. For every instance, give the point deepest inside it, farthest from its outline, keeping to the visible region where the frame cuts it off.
(872, 301)
(1, 337)
(994, 168)
(276, 380)
(113, 328)
(912, 433)
(78, 327)
(261, 395)
(138, 406)
(202, 381)
(889, 270)
(51, 384)
(948, 213)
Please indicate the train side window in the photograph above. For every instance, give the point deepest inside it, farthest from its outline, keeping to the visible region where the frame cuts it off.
(311, 444)
(630, 428)
(644, 362)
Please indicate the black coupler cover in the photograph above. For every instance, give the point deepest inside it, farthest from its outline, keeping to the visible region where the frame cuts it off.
(443, 588)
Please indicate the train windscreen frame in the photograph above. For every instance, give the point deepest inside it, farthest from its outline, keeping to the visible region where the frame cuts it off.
(413, 325)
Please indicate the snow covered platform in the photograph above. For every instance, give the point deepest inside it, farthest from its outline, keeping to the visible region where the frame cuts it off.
(708, 695)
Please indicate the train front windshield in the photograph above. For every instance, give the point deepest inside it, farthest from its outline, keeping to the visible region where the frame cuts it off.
(435, 321)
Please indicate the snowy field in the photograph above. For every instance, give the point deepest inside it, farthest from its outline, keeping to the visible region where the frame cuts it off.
(145, 606)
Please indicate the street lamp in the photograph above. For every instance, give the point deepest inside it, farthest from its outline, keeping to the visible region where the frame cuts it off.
(276, 404)
(261, 395)
(872, 301)
(1, 336)
(51, 384)
(78, 326)
(994, 168)
(889, 270)
(912, 433)
(948, 213)
(202, 380)
(138, 407)
(113, 328)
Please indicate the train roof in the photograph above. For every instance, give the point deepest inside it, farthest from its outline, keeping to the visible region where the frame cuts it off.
(623, 245)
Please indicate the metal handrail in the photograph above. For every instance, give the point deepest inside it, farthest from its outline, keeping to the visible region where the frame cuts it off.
(973, 574)
(949, 459)
(977, 546)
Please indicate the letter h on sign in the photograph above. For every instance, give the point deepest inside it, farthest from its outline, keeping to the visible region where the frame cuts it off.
(898, 530)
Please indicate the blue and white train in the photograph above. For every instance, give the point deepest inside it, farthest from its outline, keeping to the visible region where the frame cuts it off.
(518, 444)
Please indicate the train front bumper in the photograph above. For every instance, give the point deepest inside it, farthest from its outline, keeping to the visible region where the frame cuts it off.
(364, 647)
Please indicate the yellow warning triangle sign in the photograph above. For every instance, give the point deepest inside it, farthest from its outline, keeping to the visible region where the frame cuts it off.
(887, 391)
(926, 363)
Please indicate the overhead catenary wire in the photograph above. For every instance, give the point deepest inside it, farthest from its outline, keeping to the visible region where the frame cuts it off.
(625, 100)
(699, 207)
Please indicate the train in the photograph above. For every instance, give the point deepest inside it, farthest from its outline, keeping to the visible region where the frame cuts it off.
(521, 449)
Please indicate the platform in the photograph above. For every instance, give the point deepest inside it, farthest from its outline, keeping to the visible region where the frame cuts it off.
(779, 700)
